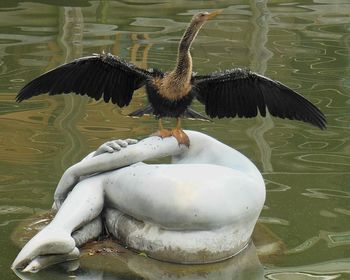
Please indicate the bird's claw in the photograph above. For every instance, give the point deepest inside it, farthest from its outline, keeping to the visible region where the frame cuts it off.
(179, 135)
(163, 133)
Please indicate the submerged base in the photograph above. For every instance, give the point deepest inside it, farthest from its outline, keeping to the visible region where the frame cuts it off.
(185, 247)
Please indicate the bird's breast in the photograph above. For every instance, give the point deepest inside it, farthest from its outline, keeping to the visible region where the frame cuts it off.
(173, 88)
(168, 102)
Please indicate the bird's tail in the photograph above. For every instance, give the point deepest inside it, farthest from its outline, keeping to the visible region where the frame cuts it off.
(189, 113)
(142, 111)
(192, 114)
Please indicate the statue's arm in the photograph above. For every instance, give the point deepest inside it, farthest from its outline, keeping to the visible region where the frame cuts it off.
(105, 159)
(74, 174)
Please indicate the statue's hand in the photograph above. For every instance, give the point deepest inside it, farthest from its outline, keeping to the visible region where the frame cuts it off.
(68, 180)
(115, 145)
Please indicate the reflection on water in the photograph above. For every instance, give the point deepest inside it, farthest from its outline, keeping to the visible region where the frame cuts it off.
(304, 44)
(243, 266)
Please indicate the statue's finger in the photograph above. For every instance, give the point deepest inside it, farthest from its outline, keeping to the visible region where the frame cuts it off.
(131, 141)
(115, 146)
(108, 147)
(122, 143)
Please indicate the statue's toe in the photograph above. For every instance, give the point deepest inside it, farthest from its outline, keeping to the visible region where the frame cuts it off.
(41, 262)
(45, 242)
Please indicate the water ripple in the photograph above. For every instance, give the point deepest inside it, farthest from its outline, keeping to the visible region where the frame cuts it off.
(273, 221)
(326, 193)
(273, 186)
(330, 159)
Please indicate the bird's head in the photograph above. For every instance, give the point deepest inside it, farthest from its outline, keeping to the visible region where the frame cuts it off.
(195, 25)
(202, 17)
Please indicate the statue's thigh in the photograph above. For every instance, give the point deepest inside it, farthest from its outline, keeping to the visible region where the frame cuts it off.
(182, 196)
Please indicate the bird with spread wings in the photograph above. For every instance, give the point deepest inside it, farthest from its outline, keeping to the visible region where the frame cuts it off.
(231, 93)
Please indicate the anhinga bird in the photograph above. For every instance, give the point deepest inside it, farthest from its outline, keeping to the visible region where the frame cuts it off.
(231, 93)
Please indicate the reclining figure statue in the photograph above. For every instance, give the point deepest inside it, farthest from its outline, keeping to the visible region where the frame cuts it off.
(200, 208)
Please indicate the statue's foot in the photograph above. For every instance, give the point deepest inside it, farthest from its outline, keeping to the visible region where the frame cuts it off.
(46, 242)
(42, 262)
(181, 137)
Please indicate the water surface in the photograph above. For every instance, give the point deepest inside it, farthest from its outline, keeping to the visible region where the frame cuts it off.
(304, 44)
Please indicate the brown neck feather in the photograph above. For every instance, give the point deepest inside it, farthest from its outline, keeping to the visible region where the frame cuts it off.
(183, 69)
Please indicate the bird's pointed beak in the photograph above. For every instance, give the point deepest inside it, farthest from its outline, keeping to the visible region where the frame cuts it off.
(215, 13)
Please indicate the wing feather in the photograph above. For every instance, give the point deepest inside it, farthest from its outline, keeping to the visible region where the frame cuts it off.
(99, 76)
(242, 93)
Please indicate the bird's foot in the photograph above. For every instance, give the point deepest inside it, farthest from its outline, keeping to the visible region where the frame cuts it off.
(178, 133)
(163, 133)
(181, 137)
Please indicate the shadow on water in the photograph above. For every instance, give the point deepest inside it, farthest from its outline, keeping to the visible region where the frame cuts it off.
(304, 44)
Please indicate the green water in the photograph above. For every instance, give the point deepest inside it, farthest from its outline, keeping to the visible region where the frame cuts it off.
(304, 44)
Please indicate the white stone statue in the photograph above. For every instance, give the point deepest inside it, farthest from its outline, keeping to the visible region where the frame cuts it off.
(201, 208)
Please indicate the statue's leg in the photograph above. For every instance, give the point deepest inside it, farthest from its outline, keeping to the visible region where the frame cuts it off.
(83, 205)
(183, 213)
(184, 196)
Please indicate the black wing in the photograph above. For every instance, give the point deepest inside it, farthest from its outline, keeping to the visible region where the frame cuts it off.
(96, 76)
(242, 93)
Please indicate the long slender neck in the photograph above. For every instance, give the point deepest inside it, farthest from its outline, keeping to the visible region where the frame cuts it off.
(183, 68)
